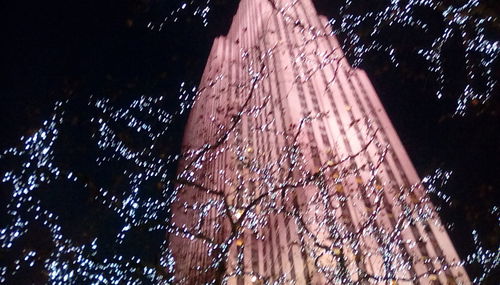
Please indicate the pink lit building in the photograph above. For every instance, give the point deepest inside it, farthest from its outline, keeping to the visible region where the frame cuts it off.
(293, 173)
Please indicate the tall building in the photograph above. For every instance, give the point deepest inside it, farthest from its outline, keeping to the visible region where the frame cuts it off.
(293, 173)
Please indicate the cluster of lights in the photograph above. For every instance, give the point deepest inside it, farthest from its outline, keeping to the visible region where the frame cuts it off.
(460, 20)
(35, 169)
(489, 260)
(196, 8)
(437, 181)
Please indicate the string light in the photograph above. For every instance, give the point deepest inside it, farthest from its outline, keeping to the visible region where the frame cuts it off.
(459, 20)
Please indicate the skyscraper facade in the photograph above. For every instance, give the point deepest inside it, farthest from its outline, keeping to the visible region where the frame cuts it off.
(292, 173)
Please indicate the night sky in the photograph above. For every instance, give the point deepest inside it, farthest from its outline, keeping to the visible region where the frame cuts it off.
(62, 50)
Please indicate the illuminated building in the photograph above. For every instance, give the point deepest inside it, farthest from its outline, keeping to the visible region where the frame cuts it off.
(292, 171)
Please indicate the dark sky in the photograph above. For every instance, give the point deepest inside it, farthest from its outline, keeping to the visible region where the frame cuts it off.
(70, 49)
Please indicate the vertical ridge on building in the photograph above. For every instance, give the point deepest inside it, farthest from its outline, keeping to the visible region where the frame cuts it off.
(292, 171)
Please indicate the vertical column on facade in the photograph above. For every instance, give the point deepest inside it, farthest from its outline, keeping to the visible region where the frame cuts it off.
(228, 162)
(442, 243)
(301, 91)
(244, 42)
(360, 159)
(389, 171)
(352, 203)
(386, 175)
(197, 246)
(289, 94)
(278, 227)
(406, 186)
(357, 92)
(267, 157)
(356, 132)
(237, 149)
(303, 106)
(235, 97)
(318, 92)
(250, 34)
(297, 258)
(281, 229)
(279, 113)
(370, 155)
(213, 157)
(320, 134)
